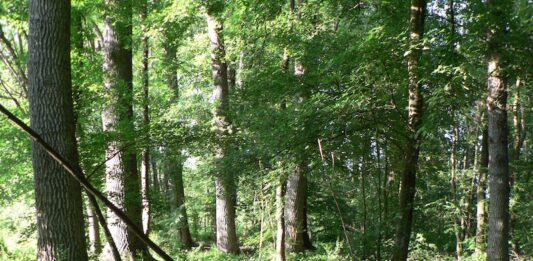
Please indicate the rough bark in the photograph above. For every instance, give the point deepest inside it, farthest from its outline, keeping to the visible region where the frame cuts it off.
(122, 178)
(498, 170)
(408, 180)
(60, 224)
(145, 154)
(226, 234)
(295, 216)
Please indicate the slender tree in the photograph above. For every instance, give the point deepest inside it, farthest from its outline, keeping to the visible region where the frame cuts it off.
(60, 224)
(498, 170)
(175, 171)
(226, 233)
(481, 216)
(145, 154)
(412, 150)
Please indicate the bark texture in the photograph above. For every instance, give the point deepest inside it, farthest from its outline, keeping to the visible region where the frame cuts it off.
(408, 180)
(226, 234)
(498, 170)
(122, 179)
(295, 211)
(60, 224)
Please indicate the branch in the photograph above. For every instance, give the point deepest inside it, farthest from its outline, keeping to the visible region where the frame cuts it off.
(77, 174)
(101, 219)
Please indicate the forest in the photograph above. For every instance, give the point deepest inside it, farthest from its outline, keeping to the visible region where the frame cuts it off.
(266, 130)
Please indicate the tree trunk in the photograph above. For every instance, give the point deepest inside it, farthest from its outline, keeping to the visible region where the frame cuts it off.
(280, 234)
(226, 233)
(122, 179)
(519, 137)
(295, 216)
(58, 202)
(498, 171)
(408, 182)
(145, 155)
(155, 176)
(95, 247)
(480, 192)
(457, 204)
(175, 171)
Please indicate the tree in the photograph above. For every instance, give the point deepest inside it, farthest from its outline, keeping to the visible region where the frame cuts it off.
(412, 150)
(122, 179)
(498, 168)
(175, 170)
(57, 196)
(145, 154)
(226, 233)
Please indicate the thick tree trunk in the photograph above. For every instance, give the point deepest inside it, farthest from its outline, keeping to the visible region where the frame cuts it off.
(297, 239)
(145, 155)
(480, 193)
(60, 224)
(226, 233)
(408, 182)
(498, 171)
(122, 179)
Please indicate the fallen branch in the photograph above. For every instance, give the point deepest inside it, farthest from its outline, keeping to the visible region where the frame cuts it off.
(77, 174)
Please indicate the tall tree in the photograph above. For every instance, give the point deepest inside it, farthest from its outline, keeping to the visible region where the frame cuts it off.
(224, 180)
(412, 150)
(498, 170)
(122, 179)
(145, 154)
(60, 224)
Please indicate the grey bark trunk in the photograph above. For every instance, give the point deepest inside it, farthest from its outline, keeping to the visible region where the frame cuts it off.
(226, 233)
(408, 181)
(60, 224)
(122, 178)
(498, 170)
